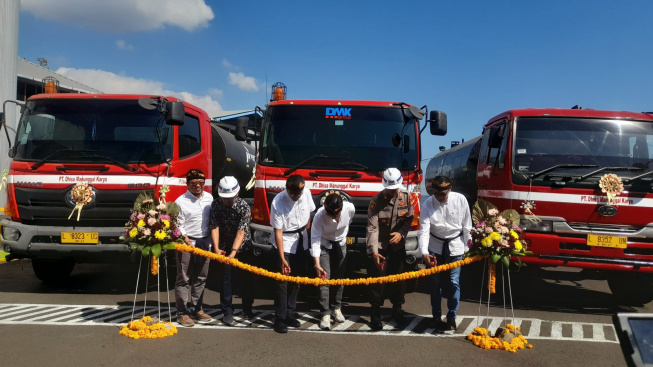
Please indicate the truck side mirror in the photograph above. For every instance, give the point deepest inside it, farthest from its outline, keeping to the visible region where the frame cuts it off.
(438, 121)
(175, 113)
(496, 136)
(241, 129)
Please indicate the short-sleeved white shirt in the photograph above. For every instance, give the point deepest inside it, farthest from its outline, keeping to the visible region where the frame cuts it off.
(325, 228)
(289, 215)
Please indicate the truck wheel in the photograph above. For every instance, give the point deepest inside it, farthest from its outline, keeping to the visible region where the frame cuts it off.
(631, 288)
(52, 271)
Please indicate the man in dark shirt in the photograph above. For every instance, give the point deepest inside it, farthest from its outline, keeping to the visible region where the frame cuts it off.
(230, 217)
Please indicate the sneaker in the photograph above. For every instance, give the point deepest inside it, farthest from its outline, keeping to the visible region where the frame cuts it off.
(398, 315)
(280, 327)
(338, 316)
(375, 323)
(292, 322)
(325, 322)
(228, 320)
(248, 314)
(201, 317)
(185, 320)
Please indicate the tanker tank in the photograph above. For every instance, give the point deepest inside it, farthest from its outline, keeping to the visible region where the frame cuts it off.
(459, 164)
(232, 158)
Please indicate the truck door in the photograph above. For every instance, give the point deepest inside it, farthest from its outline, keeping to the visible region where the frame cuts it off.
(492, 176)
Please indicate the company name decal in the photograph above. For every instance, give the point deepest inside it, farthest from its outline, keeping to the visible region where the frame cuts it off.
(342, 113)
(96, 179)
(336, 185)
(604, 199)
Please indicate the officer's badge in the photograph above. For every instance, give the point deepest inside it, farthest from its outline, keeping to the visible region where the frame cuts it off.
(403, 213)
(402, 203)
(372, 205)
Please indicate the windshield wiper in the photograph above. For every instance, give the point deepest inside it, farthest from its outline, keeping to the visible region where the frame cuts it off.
(58, 153)
(305, 161)
(540, 173)
(607, 169)
(352, 164)
(629, 180)
(115, 162)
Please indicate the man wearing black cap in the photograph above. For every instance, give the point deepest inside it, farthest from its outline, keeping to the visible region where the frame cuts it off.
(445, 225)
(192, 270)
(328, 248)
(290, 216)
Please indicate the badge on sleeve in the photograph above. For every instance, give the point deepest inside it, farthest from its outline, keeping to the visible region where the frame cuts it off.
(372, 205)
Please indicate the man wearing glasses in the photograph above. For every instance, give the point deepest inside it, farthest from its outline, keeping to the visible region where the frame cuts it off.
(290, 216)
(328, 248)
(192, 270)
(445, 225)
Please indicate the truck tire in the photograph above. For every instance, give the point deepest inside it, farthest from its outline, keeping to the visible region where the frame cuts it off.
(631, 288)
(52, 271)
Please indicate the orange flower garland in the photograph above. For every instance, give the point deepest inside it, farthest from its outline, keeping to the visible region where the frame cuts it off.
(492, 278)
(154, 269)
(317, 281)
(482, 339)
(140, 329)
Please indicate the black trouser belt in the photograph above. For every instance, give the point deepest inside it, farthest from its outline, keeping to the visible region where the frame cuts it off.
(445, 245)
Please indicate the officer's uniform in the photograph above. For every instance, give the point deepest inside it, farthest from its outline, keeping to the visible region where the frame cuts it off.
(386, 215)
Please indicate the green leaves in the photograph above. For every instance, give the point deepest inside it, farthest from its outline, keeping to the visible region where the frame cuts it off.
(169, 246)
(156, 250)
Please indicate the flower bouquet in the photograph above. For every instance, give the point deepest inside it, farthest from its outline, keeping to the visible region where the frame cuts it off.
(152, 227)
(497, 236)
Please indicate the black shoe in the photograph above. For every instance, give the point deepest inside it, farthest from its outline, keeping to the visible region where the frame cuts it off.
(280, 327)
(398, 315)
(437, 324)
(375, 323)
(228, 320)
(248, 314)
(293, 322)
(451, 325)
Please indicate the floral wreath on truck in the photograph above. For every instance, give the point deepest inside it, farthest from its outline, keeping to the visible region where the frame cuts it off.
(497, 236)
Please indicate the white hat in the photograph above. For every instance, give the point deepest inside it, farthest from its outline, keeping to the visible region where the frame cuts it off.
(228, 187)
(392, 179)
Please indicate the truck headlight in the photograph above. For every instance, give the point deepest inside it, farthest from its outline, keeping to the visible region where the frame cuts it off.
(411, 243)
(261, 236)
(10, 234)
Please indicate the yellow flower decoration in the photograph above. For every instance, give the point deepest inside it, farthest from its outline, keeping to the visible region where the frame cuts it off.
(166, 223)
(487, 241)
(160, 234)
(133, 233)
(518, 245)
(514, 234)
(141, 223)
(495, 236)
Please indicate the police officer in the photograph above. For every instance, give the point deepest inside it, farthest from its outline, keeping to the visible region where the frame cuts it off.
(389, 217)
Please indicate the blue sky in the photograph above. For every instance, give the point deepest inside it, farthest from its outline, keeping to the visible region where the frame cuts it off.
(471, 59)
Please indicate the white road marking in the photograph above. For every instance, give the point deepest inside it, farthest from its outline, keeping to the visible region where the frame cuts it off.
(41, 314)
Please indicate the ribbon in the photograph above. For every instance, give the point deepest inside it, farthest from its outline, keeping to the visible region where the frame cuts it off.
(81, 195)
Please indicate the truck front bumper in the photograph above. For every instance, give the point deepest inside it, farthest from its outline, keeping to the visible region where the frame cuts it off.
(44, 242)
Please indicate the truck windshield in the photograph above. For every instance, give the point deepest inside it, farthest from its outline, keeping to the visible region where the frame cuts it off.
(361, 138)
(582, 145)
(120, 130)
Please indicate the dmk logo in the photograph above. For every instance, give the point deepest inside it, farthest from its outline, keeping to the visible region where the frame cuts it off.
(332, 113)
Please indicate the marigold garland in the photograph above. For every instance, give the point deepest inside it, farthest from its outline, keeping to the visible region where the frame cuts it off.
(154, 269)
(482, 339)
(492, 278)
(317, 281)
(140, 329)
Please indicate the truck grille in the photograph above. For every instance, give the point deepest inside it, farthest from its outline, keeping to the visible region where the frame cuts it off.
(48, 207)
(604, 228)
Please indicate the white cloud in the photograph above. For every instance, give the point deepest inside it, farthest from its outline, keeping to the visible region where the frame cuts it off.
(122, 16)
(121, 44)
(246, 83)
(227, 64)
(113, 83)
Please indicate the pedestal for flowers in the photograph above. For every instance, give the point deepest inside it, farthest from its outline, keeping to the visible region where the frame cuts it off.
(498, 237)
(150, 232)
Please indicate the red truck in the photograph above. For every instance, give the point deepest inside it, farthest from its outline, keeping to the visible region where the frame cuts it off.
(339, 146)
(582, 180)
(119, 145)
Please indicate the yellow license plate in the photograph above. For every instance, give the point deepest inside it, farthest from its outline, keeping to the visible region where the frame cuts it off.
(350, 240)
(607, 241)
(79, 237)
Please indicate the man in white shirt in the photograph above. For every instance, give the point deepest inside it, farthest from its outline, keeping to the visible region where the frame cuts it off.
(328, 248)
(445, 225)
(290, 216)
(192, 270)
